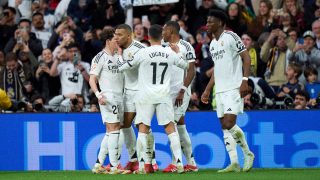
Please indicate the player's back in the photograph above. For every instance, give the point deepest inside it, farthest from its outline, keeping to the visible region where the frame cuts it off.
(156, 63)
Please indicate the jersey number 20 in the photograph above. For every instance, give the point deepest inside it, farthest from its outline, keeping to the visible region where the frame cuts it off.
(154, 77)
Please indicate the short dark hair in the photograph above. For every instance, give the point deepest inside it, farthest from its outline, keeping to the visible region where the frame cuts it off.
(155, 32)
(73, 45)
(175, 25)
(13, 10)
(219, 14)
(37, 14)
(310, 70)
(23, 19)
(304, 94)
(125, 27)
(106, 34)
(11, 56)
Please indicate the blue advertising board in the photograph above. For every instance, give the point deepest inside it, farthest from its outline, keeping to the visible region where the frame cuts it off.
(67, 141)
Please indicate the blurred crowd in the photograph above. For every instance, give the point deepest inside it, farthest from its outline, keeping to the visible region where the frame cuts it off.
(47, 46)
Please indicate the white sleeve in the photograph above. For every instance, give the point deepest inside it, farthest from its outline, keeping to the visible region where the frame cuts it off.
(236, 43)
(60, 67)
(179, 61)
(129, 64)
(96, 65)
(190, 56)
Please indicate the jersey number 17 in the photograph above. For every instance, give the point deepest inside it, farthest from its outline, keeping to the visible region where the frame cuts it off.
(154, 77)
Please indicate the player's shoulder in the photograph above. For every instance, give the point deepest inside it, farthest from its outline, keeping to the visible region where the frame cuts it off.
(231, 35)
(186, 44)
(137, 44)
(99, 57)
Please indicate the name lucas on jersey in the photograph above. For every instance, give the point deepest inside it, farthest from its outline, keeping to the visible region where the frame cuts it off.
(218, 55)
(154, 54)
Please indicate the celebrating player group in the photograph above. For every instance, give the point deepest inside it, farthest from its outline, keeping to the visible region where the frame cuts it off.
(132, 82)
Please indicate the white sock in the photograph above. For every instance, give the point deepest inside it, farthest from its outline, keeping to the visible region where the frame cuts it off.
(113, 148)
(186, 144)
(151, 146)
(145, 158)
(139, 153)
(130, 140)
(103, 149)
(231, 146)
(238, 136)
(176, 147)
(120, 144)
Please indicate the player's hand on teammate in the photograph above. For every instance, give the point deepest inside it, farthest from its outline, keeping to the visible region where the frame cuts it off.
(205, 97)
(174, 47)
(244, 88)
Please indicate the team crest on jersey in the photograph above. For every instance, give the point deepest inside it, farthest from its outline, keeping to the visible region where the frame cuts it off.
(130, 55)
(94, 66)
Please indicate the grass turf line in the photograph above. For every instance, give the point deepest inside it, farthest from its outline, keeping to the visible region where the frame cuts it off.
(260, 174)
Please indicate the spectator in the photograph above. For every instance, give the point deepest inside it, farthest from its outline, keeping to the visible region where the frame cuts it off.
(295, 9)
(66, 27)
(316, 31)
(276, 54)
(264, 22)
(24, 35)
(73, 72)
(12, 78)
(306, 54)
(301, 100)
(293, 34)
(236, 21)
(108, 13)
(312, 86)
(49, 19)
(81, 12)
(257, 67)
(47, 86)
(140, 32)
(285, 22)
(38, 28)
(68, 103)
(7, 26)
(293, 85)
(92, 44)
(94, 105)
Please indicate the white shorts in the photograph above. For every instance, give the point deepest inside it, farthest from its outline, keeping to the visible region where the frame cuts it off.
(229, 102)
(181, 110)
(145, 112)
(112, 112)
(129, 100)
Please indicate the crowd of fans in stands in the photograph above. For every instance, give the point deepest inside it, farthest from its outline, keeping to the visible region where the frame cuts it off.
(46, 48)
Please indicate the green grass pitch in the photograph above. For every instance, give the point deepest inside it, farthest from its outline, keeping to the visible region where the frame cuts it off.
(259, 174)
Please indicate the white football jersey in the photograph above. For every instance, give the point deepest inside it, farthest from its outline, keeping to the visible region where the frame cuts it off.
(71, 78)
(178, 74)
(105, 67)
(131, 76)
(225, 54)
(155, 71)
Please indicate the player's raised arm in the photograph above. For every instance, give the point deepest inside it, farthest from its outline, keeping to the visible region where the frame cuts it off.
(129, 64)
